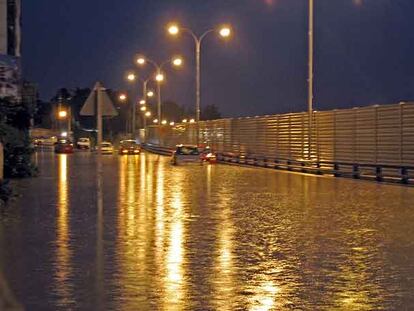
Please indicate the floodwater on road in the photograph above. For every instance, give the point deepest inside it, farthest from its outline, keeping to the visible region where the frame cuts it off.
(136, 233)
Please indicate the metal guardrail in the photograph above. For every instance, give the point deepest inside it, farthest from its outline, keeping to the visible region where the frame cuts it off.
(157, 149)
(378, 172)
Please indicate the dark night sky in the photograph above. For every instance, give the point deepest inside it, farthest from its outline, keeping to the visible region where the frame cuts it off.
(364, 49)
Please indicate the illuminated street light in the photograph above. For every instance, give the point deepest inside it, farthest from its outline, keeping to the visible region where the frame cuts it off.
(150, 93)
(164, 122)
(159, 77)
(143, 108)
(192, 121)
(131, 77)
(225, 32)
(178, 61)
(184, 120)
(62, 114)
(148, 114)
(174, 29)
(155, 121)
(122, 97)
(142, 102)
(141, 60)
(64, 134)
(172, 123)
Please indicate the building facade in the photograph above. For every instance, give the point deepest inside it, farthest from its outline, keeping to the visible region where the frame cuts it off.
(10, 49)
(10, 27)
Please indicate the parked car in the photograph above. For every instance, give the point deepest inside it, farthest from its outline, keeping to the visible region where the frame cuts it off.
(64, 146)
(208, 156)
(107, 148)
(45, 141)
(186, 154)
(129, 146)
(83, 143)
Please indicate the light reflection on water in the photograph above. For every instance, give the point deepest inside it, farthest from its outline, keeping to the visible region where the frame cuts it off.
(208, 237)
(63, 268)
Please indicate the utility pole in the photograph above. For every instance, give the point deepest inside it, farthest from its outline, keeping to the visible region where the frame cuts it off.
(310, 77)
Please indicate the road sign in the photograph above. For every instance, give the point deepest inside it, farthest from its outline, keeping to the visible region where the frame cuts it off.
(90, 106)
(99, 104)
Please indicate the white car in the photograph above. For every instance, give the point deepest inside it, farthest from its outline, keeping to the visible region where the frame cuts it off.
(83, 143)
(107, 148)
(186, 154)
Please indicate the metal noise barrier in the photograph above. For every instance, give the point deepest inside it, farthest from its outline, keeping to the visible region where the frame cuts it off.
(354, 141)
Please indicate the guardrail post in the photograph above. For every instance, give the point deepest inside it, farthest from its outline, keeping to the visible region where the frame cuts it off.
(288, 162)
(378, 173)
(303, 169)
(318, 171)
(404, 175)
(355, 171)
(336, 170)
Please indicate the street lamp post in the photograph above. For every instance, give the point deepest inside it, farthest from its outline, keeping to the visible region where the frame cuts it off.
(66, 114)
(132, 77)
(310, 77)
(224, 32)
(159, 77)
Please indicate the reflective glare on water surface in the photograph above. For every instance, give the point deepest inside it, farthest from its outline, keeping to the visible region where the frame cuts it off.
(145, 235)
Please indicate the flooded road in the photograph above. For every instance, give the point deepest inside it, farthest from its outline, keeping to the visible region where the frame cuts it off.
(150, 236)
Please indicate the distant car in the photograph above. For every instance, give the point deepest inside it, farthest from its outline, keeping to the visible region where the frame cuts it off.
(45, 141)
(64, 146)
(83, 143)
(208, 156)
(129, 147)
(186, 154)
(107, 148)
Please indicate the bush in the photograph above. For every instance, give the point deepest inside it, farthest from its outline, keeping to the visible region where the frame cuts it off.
(5, 192)
(17, 152)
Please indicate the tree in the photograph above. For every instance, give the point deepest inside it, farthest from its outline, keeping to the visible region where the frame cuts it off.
(14, 135)
(171, 111)
(210, 112)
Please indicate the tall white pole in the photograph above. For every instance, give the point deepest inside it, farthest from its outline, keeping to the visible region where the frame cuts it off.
(99, 116)
(310, 76)
(198, 87)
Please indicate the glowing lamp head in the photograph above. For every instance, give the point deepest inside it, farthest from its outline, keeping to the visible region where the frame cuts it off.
(185, 120)
(192, 121)
(122, 97)
(140, 60)
(225, 32)
(172, 123)
(148, 114)
(159, 77)
(164, 122)
(131, 77)
(64, 134)
(62, 114)
(150, 93)
(173, 29)
(177, 61)
(155, 121)
(143, 108)
(142, 102)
